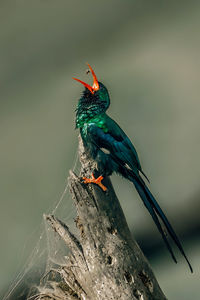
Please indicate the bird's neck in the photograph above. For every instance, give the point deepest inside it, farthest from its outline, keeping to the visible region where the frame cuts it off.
(86, 114)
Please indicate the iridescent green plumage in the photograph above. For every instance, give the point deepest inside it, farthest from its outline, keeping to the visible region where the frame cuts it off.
(113, 151)
(92, 107)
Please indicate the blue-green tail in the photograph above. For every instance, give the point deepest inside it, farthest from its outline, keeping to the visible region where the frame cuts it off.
(156, 213)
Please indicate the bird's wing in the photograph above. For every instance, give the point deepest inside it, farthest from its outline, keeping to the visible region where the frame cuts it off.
(126, 141)
(116, 142)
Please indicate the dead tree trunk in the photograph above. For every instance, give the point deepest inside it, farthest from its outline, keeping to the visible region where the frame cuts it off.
(105, 262)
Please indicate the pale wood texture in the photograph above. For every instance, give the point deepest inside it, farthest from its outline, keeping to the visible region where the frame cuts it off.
(105, 262)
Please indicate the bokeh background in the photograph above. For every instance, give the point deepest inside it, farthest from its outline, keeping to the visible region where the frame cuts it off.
(148, 55)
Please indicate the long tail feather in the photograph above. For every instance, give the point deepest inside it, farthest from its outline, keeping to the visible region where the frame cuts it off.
(155, 211)
(155, 218)
(145, 176)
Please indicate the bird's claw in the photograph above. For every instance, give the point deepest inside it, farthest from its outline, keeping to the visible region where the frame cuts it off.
(96, 181)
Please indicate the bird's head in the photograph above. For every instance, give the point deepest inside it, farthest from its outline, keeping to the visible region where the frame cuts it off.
(95, 98)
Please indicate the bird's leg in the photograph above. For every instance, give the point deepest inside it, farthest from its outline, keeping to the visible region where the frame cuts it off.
(96, 181)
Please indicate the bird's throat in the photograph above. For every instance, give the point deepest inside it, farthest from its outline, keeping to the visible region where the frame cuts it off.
(87, 114)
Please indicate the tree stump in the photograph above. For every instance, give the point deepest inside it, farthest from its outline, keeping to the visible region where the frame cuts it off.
(105, 262)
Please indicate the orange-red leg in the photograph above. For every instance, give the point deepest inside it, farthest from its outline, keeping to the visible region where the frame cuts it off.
(96, 181)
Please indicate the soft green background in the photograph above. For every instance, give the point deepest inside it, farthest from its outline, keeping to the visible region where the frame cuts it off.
(148, 55)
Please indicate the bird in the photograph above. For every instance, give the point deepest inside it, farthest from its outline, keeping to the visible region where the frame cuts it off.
(112, 150)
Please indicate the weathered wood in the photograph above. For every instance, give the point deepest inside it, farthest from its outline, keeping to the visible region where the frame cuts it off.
(105, 263)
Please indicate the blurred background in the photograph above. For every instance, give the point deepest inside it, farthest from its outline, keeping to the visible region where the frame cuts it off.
(147, 53)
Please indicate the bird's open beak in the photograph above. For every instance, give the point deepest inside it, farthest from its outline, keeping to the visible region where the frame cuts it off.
(95, 86)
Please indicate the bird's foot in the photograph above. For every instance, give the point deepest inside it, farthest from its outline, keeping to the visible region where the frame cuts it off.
(96, 181)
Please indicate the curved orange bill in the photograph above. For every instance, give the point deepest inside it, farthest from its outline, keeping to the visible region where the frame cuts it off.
(95, 86)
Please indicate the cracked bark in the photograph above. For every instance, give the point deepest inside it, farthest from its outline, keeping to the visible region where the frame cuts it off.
(105, 262)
